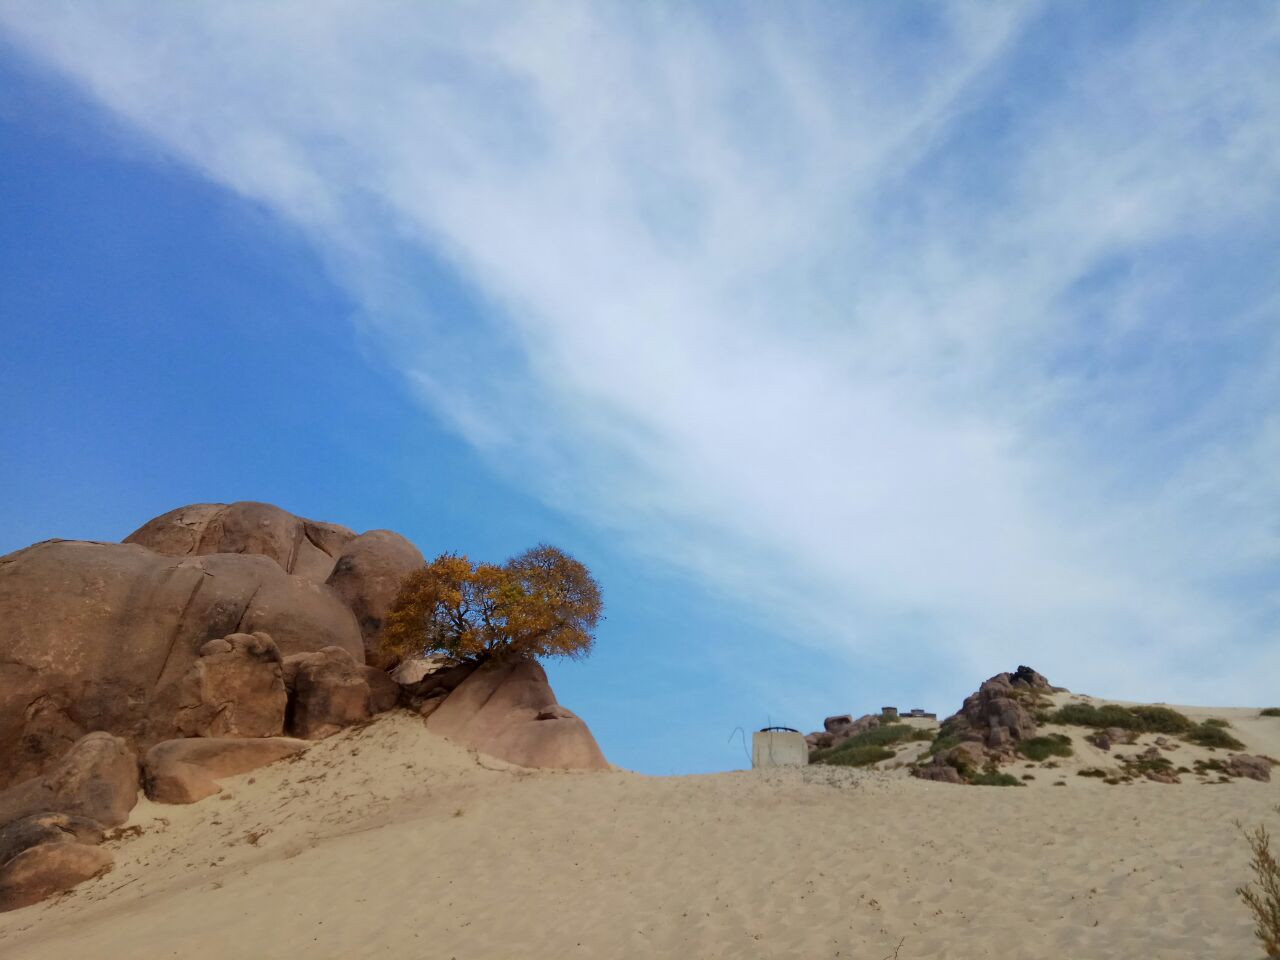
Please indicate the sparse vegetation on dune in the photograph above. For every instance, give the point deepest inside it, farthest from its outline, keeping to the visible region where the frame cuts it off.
(870, 746)
(864, 756)
(1270, 712)
(1213, 734)
(1146, 719)
(1042, 748)
(1139, 719)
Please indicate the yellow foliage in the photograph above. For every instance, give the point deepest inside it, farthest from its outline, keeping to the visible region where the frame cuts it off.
(542, 603)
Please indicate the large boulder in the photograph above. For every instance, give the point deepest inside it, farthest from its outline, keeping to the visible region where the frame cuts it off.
(367, 576)
(45, 869)
(234, 689)
(308, 548)
(97, 779)
(93, 634)
(46, 828)
(184, 771)
(327, 692)
(507, 710)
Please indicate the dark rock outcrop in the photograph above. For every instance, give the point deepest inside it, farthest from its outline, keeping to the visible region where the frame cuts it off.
(188, 770)
(1247, 765)
(995, 715)
(937, 769)
(384, 693)
(990, 724)
(97, 779)
(497, 710)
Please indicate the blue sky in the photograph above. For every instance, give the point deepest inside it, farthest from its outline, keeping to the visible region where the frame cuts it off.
(862, 350)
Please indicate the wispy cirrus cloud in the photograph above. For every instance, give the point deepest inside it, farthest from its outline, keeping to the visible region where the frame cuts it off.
(947, 329)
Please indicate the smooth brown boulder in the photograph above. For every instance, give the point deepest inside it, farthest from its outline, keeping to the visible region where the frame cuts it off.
(495, 710)
(41, 871)
(46, 828)
(184, 771)
(97, 779)
(234, 689)
(92, 633)
(327, 692)
(307, 548)
(367, 576)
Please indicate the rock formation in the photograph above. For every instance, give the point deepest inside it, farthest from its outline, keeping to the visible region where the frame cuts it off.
(188, 770)
(93, 634)
(836, 730)
(234, 689)
(989, 725)
(97, 778)
(42, 870)
(367, 576)
(1247, 765)
(197, 642)
(327, 692)
(307, 548)
(507, 710)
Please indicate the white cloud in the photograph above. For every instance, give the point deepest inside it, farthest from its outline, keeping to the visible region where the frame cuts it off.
(814, 301)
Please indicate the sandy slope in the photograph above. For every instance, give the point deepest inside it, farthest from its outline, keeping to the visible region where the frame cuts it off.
(390, 842)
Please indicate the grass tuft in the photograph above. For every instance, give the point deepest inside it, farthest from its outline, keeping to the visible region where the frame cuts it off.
(1210, 734)
(1270, 712)
(1042, 748)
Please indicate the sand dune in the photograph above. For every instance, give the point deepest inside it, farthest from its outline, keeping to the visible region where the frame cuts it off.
(390, 842)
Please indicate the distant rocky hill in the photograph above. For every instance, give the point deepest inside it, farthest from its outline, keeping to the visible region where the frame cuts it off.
(1020, 721)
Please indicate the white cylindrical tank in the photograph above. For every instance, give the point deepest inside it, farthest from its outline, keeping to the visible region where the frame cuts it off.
(778, 747)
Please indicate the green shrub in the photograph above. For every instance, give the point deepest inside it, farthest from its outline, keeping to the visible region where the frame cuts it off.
(1270, 712)
(1263, 895)
(1042, 748)
(1161, 720)
(1212, 735)
(1140, 766)
(992, 778)
(857, 756)
(1140, 719)
(1092, 772)
(858, 750)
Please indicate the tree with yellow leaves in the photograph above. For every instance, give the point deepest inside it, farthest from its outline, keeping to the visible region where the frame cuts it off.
(542, 603)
